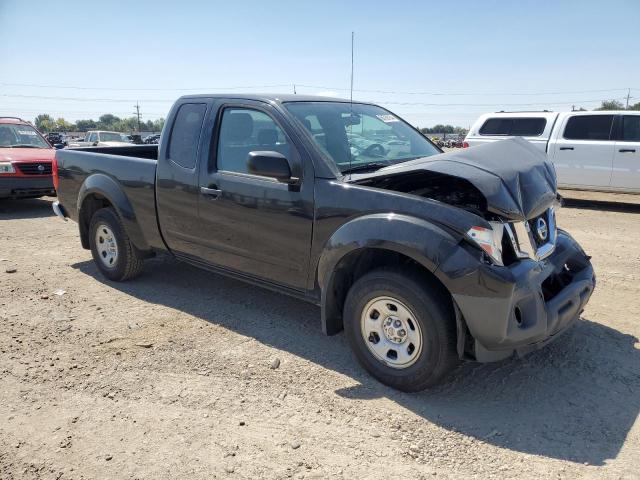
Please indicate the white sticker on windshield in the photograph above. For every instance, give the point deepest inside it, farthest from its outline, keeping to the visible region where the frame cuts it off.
(387, 118)
(27, 132)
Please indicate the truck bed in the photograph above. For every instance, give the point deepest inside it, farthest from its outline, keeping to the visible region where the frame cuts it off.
(126, 171)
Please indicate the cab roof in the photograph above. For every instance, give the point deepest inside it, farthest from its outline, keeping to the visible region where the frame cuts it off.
(272, 97)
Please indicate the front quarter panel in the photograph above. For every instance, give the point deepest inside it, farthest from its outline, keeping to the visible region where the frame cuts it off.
(415, 238)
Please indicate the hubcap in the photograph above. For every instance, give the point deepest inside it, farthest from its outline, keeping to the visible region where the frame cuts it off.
(106, 246)
(391, 332)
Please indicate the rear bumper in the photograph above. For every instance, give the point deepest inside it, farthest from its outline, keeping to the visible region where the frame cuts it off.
(26, 187)
(524, 307)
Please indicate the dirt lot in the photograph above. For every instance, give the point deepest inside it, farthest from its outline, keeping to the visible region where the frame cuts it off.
(169, 376)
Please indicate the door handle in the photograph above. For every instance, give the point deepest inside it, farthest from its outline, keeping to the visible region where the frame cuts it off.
(566, 148)
(629, 150)
(211, 192)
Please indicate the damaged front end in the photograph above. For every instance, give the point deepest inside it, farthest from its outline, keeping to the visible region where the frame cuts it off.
(520, 281)
(509, 184)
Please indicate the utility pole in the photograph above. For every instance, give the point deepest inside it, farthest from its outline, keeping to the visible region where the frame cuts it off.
(628, 97)
(137, 114)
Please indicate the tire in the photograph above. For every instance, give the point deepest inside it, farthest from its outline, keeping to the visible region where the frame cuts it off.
(112, 250)
(426, 352)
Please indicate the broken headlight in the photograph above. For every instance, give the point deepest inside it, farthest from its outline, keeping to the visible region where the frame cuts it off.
(489, 240)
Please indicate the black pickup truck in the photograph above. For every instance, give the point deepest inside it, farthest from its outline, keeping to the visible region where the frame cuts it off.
(422, 257)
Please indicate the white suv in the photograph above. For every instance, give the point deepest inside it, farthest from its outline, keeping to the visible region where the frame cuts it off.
(590, 150)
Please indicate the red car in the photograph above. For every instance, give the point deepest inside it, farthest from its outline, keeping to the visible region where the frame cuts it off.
(25, 160)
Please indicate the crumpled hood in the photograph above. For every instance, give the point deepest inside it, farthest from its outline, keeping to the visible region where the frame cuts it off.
(517, 179)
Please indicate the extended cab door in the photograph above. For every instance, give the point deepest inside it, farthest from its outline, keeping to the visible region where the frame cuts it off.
(582, 150)
(177, 192)
(626, 160)
(251, 224)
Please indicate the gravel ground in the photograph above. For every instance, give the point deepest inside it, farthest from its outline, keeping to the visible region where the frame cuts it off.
(185, 374)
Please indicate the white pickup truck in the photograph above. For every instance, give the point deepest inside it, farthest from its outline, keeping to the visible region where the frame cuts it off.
(598, 150)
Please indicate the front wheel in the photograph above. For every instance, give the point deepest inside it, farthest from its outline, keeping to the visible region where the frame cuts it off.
(112, 250)
(401, 328)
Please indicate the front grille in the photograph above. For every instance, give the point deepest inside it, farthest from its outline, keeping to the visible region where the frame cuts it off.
(534, 238)
(540, 229)
(35, 168)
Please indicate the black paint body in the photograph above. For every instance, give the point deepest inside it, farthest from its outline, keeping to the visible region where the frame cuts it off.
(295, 238)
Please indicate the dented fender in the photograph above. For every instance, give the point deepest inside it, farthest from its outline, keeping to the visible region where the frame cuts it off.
(426, 243)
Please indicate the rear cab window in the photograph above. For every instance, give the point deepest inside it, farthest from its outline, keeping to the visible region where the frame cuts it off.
(514, 126)
(588, 127)
(185, 134)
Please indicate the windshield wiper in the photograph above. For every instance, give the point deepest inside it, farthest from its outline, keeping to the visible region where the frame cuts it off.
(24, 146)
(365, 167)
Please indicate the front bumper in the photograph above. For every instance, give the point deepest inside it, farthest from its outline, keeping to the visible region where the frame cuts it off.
(524, 306)
(26, 187)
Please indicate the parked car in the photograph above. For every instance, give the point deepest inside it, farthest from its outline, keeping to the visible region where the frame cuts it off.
(25, 160)
(152, 139)
(135, 138)
(598, 150)
(56, 139)
(423, 258)
(102, 138)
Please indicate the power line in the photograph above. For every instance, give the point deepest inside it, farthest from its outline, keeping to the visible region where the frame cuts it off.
(115, 89)
(324, 87)
(398, 92)
(81, 99)
(524, 104)
(424, 104)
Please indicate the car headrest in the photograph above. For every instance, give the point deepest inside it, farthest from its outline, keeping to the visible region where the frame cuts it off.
(239, 126)
(268, 136)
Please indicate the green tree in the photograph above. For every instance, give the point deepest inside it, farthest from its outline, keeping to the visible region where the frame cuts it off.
(444, 129)
(86, 125)
(45, 123)
(63, 126)
(158, 124)
(611, 105)
(635, 106)
(107, 121)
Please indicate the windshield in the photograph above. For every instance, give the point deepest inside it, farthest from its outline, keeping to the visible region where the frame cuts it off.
(12, 135)
(113, 137)
(358, 137)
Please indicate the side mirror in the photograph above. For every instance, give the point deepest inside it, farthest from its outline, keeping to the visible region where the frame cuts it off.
(58, 146)
(95, 144)
(270, 164)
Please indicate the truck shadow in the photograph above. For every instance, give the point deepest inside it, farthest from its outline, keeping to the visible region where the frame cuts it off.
(600, 205)
(575, 400)
(25, 208)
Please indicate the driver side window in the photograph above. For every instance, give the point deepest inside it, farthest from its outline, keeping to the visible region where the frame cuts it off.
(244, 130)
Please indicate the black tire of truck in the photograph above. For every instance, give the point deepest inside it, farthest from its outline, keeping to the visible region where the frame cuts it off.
(389, 310)
(114, 254)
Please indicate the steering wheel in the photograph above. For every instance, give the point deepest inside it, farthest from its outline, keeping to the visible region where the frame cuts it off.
(375, 150)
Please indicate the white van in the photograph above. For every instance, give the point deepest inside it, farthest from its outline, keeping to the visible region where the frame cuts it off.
(590, 150)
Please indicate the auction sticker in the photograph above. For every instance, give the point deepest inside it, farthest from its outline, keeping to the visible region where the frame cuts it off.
(387, 118)
(27, 132)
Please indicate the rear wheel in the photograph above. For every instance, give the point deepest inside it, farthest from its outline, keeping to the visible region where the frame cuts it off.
(401, 328)
(112, 250)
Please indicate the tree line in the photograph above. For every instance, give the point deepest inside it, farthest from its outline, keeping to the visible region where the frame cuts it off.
(46, 123)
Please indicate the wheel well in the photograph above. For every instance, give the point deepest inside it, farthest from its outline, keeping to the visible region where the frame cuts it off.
(90, 205)
(353, 266)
